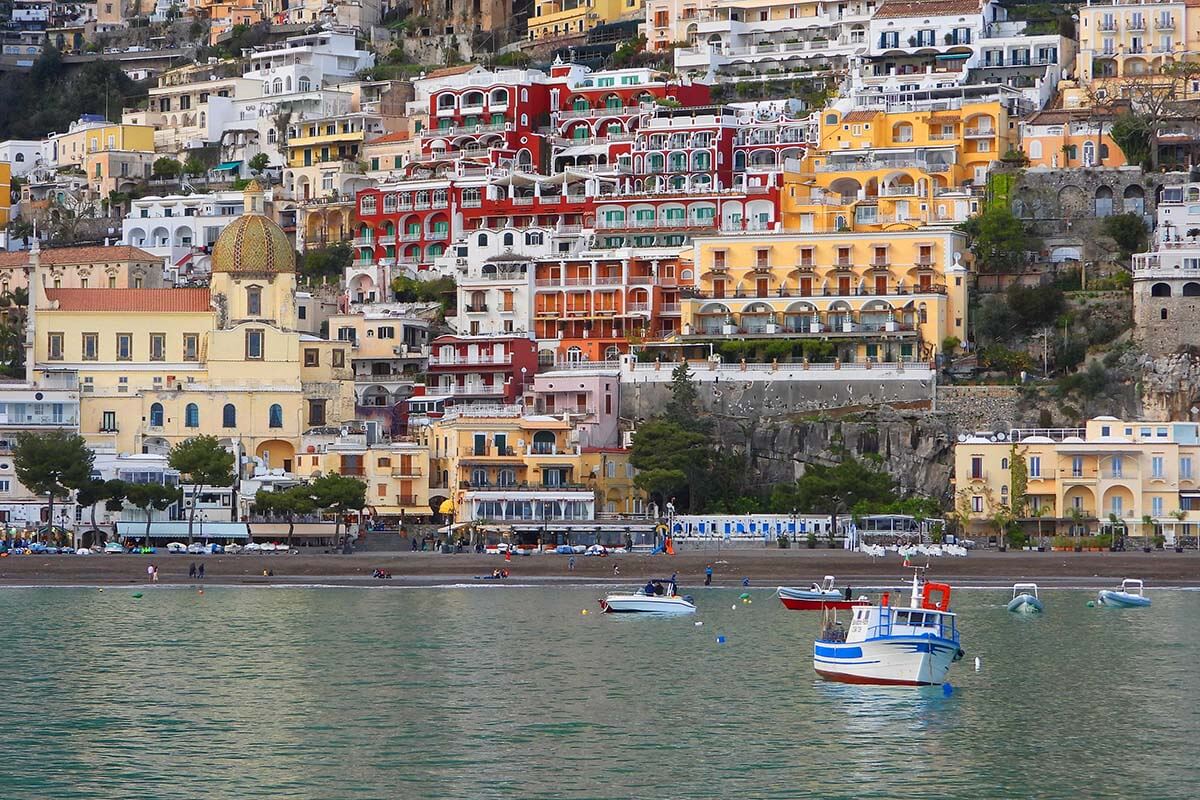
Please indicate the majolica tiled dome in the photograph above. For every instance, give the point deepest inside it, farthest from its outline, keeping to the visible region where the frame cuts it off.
(252, 243)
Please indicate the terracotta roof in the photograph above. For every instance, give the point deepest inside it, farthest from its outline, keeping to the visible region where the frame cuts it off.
(78, 255)
(926, 8)
(860, 116)
(1061, 116)
(170, 301)
(446, 72)
(397, 136)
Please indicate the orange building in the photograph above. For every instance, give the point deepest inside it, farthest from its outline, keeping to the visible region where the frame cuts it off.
(593, 309)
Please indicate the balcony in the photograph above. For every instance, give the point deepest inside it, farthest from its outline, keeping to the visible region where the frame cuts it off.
(1135, 24)
(980, 133)
(471, 390)
(491, 451)
(1164, 24)
(387, 239)
(363, 241)
(471, 361)
(411, 471)
(477, 308)
(670, 309)
(1107, 25)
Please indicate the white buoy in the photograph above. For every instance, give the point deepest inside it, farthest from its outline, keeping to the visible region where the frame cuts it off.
(978, 664)
(733, 607)
(699, 624)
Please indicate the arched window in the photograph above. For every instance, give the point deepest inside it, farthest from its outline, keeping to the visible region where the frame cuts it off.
(1089, 153)
(304, 84)
(287, 83)
(20, 157)
(482, 240)
(1035, 150)
(277, 86)
(508, 240)
(533, 238)
(191, 416)
(479, 477)
(506, 477)
(229, 416)
(253, 301)
(272, 136)
(275, 416)
(156, 415)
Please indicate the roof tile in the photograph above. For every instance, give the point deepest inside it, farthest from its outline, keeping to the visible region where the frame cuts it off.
(168, 301)
(78, 255)
(926, 8)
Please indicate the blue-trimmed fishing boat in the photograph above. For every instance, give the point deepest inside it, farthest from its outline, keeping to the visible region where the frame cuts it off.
(1025, 599)
(892, 646)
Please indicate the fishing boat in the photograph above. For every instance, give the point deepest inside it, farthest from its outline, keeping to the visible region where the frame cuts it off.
(892, 646)
(656, 597)
(1131, 595)
(1025, 599)
(817, 597)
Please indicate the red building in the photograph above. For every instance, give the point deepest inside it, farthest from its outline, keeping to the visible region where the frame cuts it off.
(469, 369)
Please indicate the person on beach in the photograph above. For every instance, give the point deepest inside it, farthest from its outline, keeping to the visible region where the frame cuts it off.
(154, 573)
(192, 570)
(708, 575)
(200, 572)
(571, 564)
(149, 572)
(616, 569)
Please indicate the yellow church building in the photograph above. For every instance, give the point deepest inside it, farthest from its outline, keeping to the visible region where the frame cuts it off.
(157, 366)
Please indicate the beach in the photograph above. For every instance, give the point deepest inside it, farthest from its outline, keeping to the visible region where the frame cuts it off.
(762, 566)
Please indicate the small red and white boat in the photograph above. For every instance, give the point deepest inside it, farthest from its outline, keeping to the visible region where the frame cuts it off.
(817, 597)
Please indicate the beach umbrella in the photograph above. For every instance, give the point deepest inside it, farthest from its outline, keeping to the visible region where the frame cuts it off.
(447, 507)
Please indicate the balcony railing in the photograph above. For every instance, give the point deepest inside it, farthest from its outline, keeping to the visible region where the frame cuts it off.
(492, 451)
(471, 361)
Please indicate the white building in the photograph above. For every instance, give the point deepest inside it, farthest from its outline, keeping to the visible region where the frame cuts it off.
(22, 155)
(181, 228)
(304, 63)
(26, 407)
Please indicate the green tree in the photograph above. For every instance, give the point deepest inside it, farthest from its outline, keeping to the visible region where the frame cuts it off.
(325, 264)
(52, 464)
(684, 406)
(834, 488)
(289, 503)
(194, 167)
(998, 240)
(96, 491)
(201, 461)
(670, 459)
(1035, 306)
(443, 291)
(151, 497)
(1128, 231)
(994, 320)
(259, 163)
(1133, 134)
(339, 494)
(1018, 475)
(166, 167)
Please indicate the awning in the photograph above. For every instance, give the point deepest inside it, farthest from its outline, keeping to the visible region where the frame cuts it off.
(952, 56)
(227, 166)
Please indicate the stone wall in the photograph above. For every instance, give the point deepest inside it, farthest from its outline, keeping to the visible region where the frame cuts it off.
(967, 409)
(1165, 325)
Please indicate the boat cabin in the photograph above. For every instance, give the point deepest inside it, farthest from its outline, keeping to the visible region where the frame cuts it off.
(1025, 588)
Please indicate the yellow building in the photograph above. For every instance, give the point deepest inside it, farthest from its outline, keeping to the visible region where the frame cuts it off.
(1078, 137)
(561, 18)
(396, 473)
(106, 152)
(612, 474)
(156, 366)
(1120, 39)
(893, 296)
(5, 193)
(499, 466)
(1081, 480)
(223, 15)
(875, 170)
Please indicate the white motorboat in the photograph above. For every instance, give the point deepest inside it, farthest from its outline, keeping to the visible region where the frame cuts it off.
(656, 597)
(1025, 599)
(1132, 594)
(892, 646)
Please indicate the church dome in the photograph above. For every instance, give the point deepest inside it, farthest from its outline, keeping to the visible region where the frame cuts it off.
(253, 243)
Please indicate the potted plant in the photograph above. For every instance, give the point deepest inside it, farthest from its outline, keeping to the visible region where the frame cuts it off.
(1147, 525)
(783, 542)
(829, 537)
(1178, 515)
(1159, 541)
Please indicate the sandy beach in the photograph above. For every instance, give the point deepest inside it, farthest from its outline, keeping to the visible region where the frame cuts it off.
(764, 568)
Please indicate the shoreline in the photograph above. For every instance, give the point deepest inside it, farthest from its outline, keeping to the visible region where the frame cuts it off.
(765, 569)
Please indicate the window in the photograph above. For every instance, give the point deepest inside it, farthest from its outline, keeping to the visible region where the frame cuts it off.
(1035, 466)
(1118, 467)
(275, 416)
(191, 416)
(976, 467)
(191, 347)
(312, 357)
(338, 358)
(386, 332)
(254, 344)
(1077, 466)
(229, 416)
(302, 312)
(316, 412)
(108, 422)
(91, 346)
(156, 415)
(1156, 466)
(124, 347)
(1156, 506)
(1185, 468)
(54, 347)
(977, 504)
(253, 301)
(158, 347)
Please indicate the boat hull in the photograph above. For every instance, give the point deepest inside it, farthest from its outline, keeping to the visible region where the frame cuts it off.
(639, 604)
(1122, 599)
(1025, 604)
(890, 661)
(808, 600)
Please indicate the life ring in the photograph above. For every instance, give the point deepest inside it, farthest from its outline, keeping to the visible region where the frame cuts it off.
(942, 591)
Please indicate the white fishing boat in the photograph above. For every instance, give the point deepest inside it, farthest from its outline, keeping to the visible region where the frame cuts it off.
(892, 646)
(1132, 594)
(656, 597)
(1025, 599)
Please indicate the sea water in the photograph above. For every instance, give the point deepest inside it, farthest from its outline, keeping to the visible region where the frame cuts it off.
(513, 692)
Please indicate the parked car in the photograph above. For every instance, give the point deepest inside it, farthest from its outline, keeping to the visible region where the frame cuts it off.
(176, 547)
(113, 547)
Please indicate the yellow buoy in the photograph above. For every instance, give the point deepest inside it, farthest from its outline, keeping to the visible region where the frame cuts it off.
(584, 612)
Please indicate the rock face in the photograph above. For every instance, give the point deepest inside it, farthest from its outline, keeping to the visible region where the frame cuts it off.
(1170, 387)
(916, 448)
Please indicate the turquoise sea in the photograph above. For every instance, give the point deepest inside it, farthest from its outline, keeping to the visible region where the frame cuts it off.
(489, 692)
